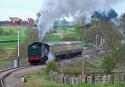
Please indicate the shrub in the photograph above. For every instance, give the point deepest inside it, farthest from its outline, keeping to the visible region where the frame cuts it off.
(108, 64)
(51, 65)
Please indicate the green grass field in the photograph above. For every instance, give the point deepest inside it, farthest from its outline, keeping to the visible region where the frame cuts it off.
(8, 45)
(52, 38)
(10, 33)
(12, 37)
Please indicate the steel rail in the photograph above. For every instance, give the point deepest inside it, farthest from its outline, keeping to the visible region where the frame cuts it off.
(10, 70)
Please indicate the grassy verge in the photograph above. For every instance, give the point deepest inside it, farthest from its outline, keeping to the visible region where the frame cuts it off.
(98, 61)
(85, 85)
(40, 80)
(79, 65)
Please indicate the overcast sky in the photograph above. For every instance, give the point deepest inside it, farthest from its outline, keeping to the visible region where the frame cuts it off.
(19, 8)
(28, 8)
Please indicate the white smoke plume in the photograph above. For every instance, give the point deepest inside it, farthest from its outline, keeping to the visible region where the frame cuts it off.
(50, 57)
(52, 10)
(119, 27)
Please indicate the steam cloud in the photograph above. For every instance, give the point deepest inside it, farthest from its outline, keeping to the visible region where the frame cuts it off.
(120, 29)
(50, 57)
(55, 9)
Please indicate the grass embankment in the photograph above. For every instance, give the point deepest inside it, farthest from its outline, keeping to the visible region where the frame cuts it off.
(40, 80)
(79, 65)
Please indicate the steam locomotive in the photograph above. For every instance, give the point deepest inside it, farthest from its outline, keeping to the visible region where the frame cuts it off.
(38, 52)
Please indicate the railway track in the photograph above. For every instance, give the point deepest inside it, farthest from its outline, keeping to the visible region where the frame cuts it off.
(6, 72)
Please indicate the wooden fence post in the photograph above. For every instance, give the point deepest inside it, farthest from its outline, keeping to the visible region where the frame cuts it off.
(124, 77)
(109, 78)
(104, 79)
(112, 78)
(119, 78)
(82, 77)
(93, 78)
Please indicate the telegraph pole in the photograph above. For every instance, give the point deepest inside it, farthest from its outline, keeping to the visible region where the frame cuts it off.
(17, 22)
(18, 38)
(82, 77)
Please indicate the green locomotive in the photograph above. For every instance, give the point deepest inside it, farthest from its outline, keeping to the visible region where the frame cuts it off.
(38, 51)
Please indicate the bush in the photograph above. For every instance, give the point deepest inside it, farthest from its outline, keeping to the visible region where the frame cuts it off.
(51, 65)
(108, 64)
(120, 55)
